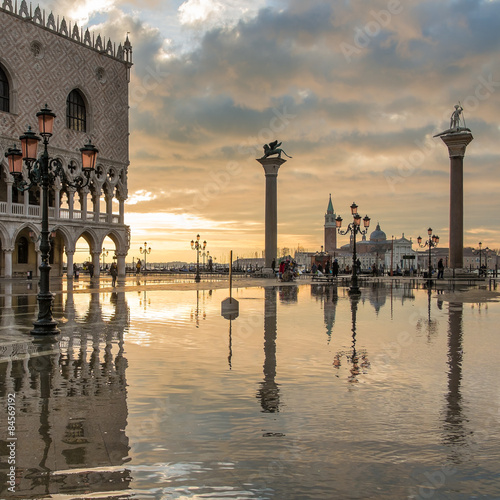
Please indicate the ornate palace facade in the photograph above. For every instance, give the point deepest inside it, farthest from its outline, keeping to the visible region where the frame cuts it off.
(84, 80)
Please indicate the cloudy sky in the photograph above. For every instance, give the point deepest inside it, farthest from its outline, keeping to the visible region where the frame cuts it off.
(355, 90)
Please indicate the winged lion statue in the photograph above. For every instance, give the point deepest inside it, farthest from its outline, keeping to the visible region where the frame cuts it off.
(273, 148)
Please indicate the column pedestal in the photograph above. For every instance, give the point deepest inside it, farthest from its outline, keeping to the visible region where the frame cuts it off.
(457, 143)
(271, 167)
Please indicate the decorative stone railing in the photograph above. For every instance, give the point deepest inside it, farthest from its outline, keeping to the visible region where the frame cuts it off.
(34, 211)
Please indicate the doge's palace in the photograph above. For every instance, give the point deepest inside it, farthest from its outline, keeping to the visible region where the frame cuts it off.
(83, 78)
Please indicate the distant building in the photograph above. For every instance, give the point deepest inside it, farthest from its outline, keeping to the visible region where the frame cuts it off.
(84, 81)
(330, 228)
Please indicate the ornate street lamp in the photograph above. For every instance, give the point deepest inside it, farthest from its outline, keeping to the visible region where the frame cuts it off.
(486, 250)
(432, 242)
(354, 228)
(198, 246)
(43, 172)
(145, 251)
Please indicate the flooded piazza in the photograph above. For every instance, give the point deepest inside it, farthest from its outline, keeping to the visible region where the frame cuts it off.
(308, 394)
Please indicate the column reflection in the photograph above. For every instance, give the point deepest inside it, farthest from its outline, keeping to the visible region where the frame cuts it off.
(455, 433)
(71, 406)
(269, 390)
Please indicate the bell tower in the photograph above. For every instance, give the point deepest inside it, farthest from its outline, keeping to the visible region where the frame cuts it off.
(330, 228)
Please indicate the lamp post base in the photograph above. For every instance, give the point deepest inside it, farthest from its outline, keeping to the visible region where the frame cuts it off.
(45, 328)
(197, 279)
(45, 324)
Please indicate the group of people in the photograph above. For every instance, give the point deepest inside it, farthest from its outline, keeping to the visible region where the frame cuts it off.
(287, 270)
(327, 270)
(113, 271)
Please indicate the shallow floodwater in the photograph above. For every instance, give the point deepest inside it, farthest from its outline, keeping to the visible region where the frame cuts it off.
(306, 395)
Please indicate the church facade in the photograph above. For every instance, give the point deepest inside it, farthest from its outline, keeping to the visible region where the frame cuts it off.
(84, 80)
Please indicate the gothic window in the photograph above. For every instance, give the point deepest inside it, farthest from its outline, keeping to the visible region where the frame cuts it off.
(22, 250)
(76, 115)
(4, 91)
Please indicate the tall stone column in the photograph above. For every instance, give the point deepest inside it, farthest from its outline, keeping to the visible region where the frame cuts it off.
(271, 167)
(457, 143)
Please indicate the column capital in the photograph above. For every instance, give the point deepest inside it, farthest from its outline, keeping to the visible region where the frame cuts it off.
(271, 165)
(457, 143)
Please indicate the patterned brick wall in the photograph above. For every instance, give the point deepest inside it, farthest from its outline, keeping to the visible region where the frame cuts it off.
(45, 66)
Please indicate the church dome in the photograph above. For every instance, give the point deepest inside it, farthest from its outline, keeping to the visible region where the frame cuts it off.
(378, 234)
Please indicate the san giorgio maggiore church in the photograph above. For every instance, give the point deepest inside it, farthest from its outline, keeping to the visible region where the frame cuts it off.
(396, 252)
(376, 249)
(84, 80)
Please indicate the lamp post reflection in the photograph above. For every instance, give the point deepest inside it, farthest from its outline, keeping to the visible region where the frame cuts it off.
(353, 355)
(430, 324)
(74, 405)
(196, 313)
(268, 393)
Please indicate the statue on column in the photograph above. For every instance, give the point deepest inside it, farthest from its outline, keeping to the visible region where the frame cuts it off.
(455, 118)
(273, 148)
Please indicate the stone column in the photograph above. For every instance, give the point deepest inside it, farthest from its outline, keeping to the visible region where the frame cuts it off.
(457, 143)
(121, 202)
(69, 263)
(109, 207)
(57, 202)
(71, 202)
(96, 260)
(120, 262)
(83, 203)
(271, 167)
(96, 201)
(8, 184)
(8, 262)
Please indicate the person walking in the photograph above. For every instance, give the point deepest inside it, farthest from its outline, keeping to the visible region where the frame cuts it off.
(335, 268)
(90, 267)
(113, 270)
(138, 266)
(440, 275)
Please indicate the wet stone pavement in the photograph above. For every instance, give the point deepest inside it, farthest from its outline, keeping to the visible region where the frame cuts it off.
(149, 393)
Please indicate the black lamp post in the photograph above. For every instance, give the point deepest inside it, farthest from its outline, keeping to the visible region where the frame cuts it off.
(145, 251)
(481, 270)
(43, 172)
(198, 246)
(432, 242)
(354, 228)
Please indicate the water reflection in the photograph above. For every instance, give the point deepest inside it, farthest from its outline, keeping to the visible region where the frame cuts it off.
(429, 324)
(71, 407)
(269, 393)
(454, 419)
(199, 312)
(353, 355)
(329, 296)
(289, 294)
